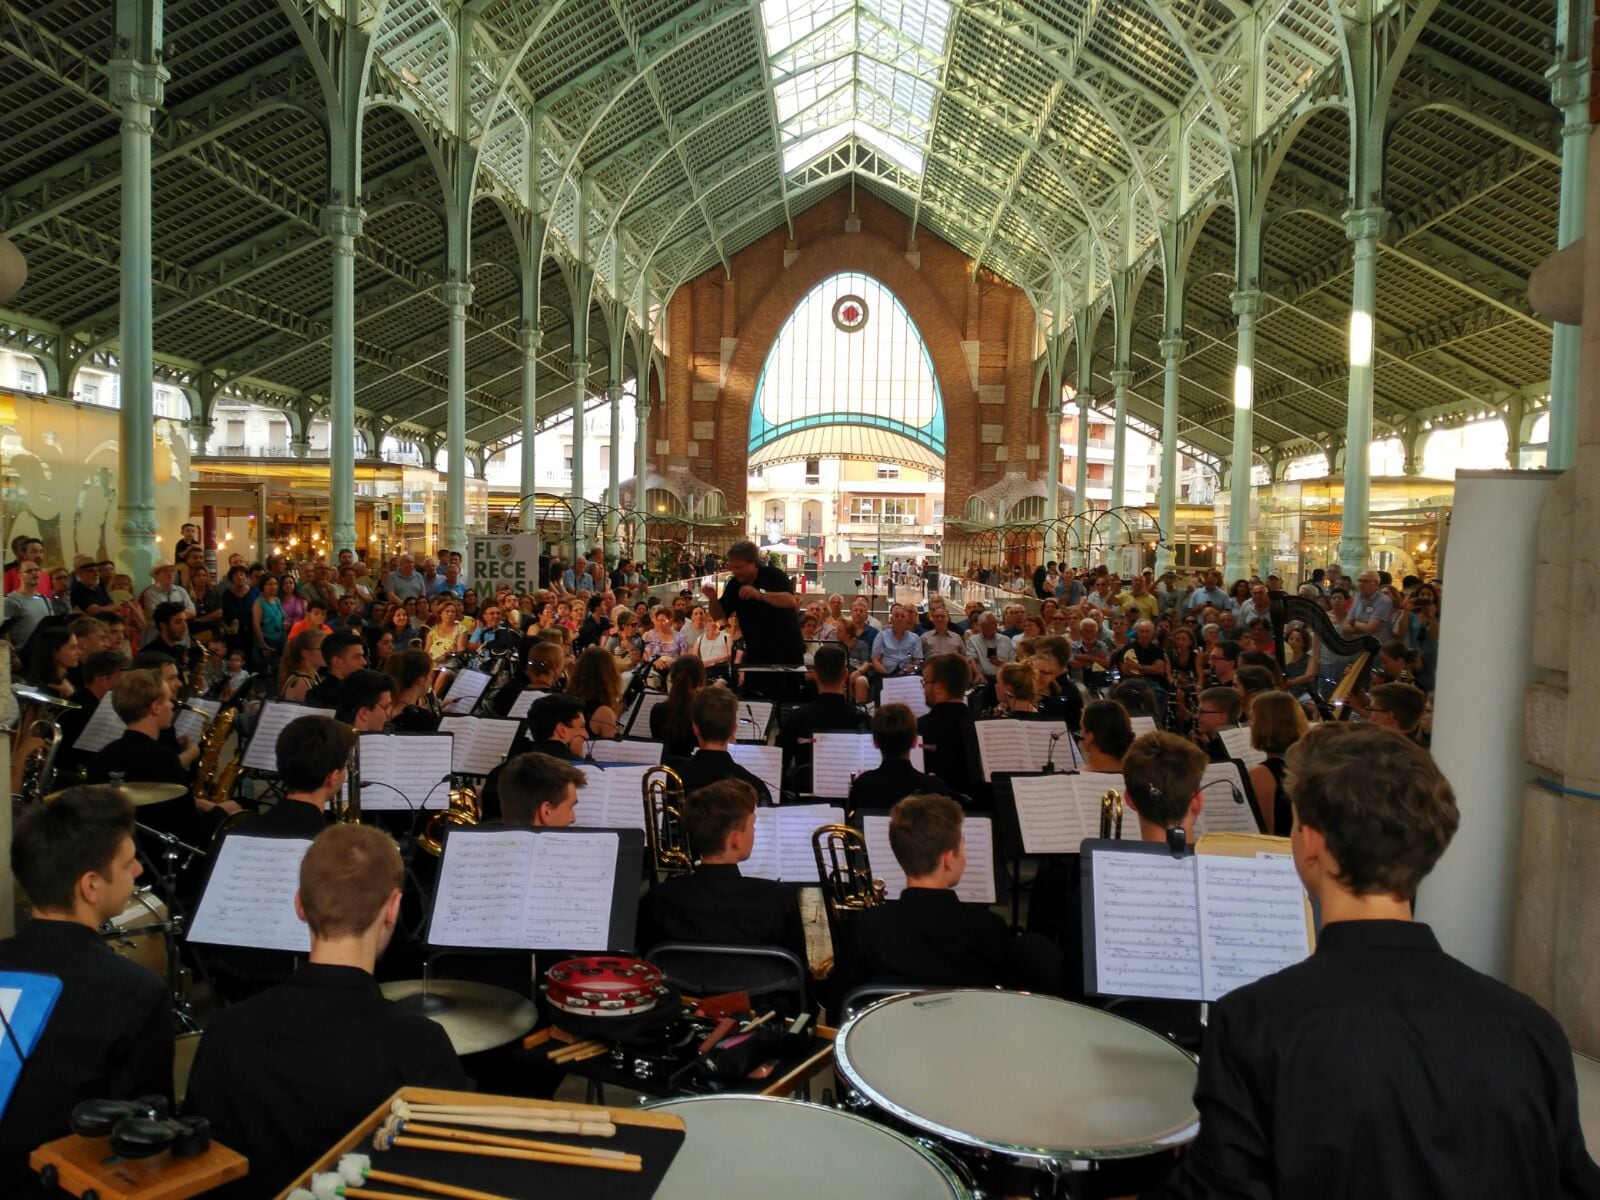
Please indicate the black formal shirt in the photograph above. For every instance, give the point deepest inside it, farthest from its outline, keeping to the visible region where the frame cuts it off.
(1382, 1067)
(828, 713)
(289, 818)
(680, 746)
(110, 1037)
(83, 598)
(324, 693)
(282, 1074)
(893, 780)
(710, 766)
(927, 937)
(139, 758)
(771, 634)
(716, 904)
(489, 795)
(950, 745)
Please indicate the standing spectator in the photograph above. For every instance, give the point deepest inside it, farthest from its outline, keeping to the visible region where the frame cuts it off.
(31, 550)
(1371, 612)
(238, 602)
(162, 591)
(267, 623)
(403, 583)
(88, 595)
(25, 607)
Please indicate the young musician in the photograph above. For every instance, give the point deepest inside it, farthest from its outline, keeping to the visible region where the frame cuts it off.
(1449, 1083)
(715, 716)
(539, 792)
(543, 666)
(556, 728)
(1219, 708)
(364, 700)
(313, 756)
(949, 742)
(343, 654)
(894, 733)
(717, 904)
(763, 599)
(101, 671)
(1396, 706)
(279, 1074)
(110, 1035)
(1107, 734)
(831, 711)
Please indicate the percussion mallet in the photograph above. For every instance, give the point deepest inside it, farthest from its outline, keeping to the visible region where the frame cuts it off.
(356, 1169)
(394, 1126)
(565, 1160)
(328, 1186)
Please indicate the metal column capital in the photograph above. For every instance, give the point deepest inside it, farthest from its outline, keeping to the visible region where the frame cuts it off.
(1122, 379)
(530, 338)
(457, 293)
(1248, 302)
(134, 82)
(1172, 347)
(341, 222)
(1366, 224)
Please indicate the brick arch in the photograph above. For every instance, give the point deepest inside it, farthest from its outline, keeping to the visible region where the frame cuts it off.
(884, 260)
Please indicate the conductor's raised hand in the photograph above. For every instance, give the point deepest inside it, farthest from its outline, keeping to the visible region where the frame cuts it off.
(709, 591)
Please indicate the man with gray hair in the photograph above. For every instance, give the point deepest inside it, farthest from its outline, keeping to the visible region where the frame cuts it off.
(403, 583)
(988, 649)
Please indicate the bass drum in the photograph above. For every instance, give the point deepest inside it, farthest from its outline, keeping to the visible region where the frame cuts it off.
(138, 932)
(805, 1151)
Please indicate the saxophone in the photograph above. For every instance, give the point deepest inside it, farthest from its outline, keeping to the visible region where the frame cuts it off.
(209, 786)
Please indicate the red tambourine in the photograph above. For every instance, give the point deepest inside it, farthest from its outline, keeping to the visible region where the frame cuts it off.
(605, 986)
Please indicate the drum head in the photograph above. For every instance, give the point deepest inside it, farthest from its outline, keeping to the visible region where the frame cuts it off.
(1028, 1076)
(787, 1150)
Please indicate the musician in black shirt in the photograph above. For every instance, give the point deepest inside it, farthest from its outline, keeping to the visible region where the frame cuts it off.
(280, 1071)
(949, 738)
(1448, 1083)
(313, 755)
(763, 599)
(110, 1035)
(145, 705)
(894, 733)
(715, 715)
(831, 711)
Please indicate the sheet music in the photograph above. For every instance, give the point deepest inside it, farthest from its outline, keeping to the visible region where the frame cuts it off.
(568, 903)
(1147, 926)
(401, 772)
(1252, 919)
(783, 842)
(837, 758)
(613, 798)
(639, 722)
(523, 702)
(249, 899)
(262, 752)
(755, 718)
(481, 743)
(904, 689)
(1057, 813)
(1219, 811)
(977, 881)
(191, 724)
(1142, 724)
(1237, 739)
(1008, 745)
(103, 728)
(464, 691)
(626, 750)
(764, 762)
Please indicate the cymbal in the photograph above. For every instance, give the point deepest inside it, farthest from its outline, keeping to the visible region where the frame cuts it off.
(43, 697)
(475, 1016)
(142, 794)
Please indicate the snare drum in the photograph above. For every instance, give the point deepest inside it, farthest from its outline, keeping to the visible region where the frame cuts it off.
(136, 932)
(800, 1151)
(1031, 1078)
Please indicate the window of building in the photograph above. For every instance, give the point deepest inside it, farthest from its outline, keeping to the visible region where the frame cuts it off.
(89, 393)
(813, 471)
(566, 459)
(888, 471)
(884, 510)
(29, 381)
(938, 511)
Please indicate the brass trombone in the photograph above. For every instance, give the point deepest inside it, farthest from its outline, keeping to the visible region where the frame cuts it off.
(664, 829)
(845, 872)
(464, 811)
(1111, 815)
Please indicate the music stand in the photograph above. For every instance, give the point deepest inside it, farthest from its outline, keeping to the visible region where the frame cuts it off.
(26, 1002)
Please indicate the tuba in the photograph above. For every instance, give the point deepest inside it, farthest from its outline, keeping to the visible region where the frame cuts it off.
(845, 873)
(37, 774)
(670, 852)
(1111, 815)
(208, 785)
(463, 811)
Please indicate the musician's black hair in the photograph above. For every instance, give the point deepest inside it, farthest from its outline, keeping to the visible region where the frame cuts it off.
(165, 611)
(545, 713)
(894, 730)
(831, 664)
(362, 689)
(336, 644)
(311, 748)
(1108, 721)
(103, 663)
(56, 844)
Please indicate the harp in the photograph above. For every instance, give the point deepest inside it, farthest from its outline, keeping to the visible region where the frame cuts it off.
(1361, 650)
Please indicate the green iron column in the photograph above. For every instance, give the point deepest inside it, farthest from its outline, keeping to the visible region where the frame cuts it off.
(529, 338)
(138, 86)
(1080, 500)
(614, 484)
(342, 225)
(1121, 381)
(1364, 227)
(1247, 307)
(456, 294)
(1569, 91)
(1171, 357)
(580, 393)
(641, 456)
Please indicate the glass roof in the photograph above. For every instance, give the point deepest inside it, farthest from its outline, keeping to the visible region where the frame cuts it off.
(867, 70)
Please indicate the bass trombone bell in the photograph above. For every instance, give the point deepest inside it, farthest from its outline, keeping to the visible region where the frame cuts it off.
(463, 812)
(670, 852)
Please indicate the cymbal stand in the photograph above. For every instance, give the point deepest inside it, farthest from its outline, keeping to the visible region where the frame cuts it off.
(166, 875)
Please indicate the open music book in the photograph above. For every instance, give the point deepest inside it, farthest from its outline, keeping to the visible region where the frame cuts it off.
(464, 691)
(755, 718)
(764, 762)
(977, 882)
(1237, 739)
(1193, 926)
(262, 752)
(522, 703)
(904, 689)
(481, 743)
(783, 842)
(102, 728)
(613, 798)
(639, 719)
(533, 889)
(1142, 724)
(191, 724)
(249, 898)
(1057, 813)
(626, 750)
(404, 771)
(837, 758)
(1009, 745)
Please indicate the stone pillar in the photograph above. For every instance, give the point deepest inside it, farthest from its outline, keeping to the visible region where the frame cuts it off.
(529, 338)
(457, 294)
(1121, 381)
(1364, 227)
(138, 86)
(1247, 307)
(1569, 91)
(1171, 357)
(342, 225)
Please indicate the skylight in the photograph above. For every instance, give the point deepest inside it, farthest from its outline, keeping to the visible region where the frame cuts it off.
(867, 70)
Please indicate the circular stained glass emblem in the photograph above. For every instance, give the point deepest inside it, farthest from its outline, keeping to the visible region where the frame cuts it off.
(850, 313)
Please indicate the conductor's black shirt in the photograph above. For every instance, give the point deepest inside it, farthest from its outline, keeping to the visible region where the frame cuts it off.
(284, 1074)
(771, 634)
(1381, 1066)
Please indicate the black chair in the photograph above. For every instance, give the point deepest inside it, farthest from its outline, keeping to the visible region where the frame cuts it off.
(871, 993)
(759, 971)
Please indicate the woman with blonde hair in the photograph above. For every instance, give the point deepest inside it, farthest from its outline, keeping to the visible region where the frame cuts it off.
(1277, 721)
(1016, 690)
(302, 659)
(597, 682)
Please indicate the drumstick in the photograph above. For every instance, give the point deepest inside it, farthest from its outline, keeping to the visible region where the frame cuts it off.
(394, 1126)
(405, 1107)
(525, 1124)
(565, 1160)
(356, 1169)
(588, 1054)
(762, 1020)
(572, 1051)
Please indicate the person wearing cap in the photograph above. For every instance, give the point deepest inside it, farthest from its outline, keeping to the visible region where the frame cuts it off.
(88, 595)
(163, 591)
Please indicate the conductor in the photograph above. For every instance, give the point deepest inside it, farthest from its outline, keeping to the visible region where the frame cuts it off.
(764, 601)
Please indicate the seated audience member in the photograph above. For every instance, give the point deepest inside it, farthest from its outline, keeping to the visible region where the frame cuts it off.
(949, 743)
(110, 1034)
(831, 711)
(928, 936)
(715, 716)
(1276, 722)
(1107, 734)
(364, 700)
(538, 791)
(280, 1071)
(1397, 706)
(1450, 1084)
(894, 733)
(716, 904)
(1217, 709)
(313, 756)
